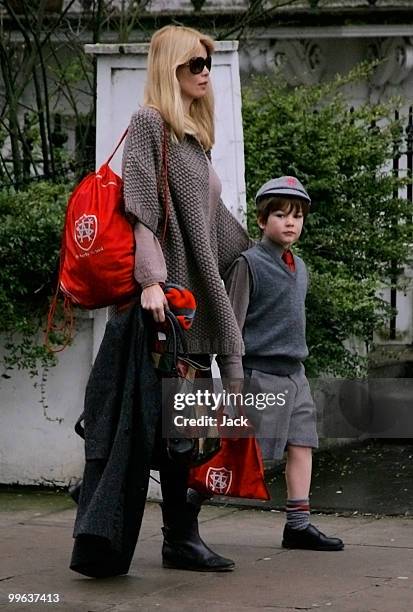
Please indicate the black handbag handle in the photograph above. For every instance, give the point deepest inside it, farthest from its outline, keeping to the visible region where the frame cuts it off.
(178, 337)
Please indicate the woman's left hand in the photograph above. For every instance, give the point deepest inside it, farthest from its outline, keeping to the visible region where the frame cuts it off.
(153, 299)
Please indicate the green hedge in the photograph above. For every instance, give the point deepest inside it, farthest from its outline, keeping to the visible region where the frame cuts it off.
(30, 227)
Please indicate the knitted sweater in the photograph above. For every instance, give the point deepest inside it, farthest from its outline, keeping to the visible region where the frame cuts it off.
(150, 265)
(198, 249)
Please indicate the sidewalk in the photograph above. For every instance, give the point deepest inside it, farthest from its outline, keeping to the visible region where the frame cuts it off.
(373, 573)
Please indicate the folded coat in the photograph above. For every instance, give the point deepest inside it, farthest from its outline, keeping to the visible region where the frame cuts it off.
(121, 413)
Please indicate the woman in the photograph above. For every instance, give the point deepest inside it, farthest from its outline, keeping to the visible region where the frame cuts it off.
(201, 242)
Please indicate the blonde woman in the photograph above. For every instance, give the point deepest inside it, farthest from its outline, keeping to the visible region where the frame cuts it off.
(202, 240)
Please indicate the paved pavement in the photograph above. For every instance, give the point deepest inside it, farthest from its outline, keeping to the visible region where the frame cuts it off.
(373, 573)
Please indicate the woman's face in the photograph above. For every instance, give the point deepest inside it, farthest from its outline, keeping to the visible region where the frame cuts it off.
(193, 86)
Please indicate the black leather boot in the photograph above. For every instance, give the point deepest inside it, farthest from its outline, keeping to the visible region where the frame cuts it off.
(183, 547)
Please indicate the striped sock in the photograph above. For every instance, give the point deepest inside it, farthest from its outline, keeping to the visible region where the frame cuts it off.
(298, 513)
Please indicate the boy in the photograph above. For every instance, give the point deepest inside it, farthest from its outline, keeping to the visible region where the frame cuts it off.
(267, 287)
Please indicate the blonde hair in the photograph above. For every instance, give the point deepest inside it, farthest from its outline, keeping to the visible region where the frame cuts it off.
(171, 47)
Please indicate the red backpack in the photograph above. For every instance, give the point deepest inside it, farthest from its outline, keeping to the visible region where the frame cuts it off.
(98, 249)
(97, 256)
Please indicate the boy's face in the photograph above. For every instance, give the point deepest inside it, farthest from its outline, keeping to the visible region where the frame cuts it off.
(283, 227)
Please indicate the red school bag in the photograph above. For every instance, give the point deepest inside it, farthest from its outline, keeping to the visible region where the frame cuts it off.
(97, 256)
(97, 253)
(236, 470)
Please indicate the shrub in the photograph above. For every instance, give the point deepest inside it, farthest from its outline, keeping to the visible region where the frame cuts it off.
(30, 226)
(357, 226)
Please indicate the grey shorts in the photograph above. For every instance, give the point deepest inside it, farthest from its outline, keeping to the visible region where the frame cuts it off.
(293, 418)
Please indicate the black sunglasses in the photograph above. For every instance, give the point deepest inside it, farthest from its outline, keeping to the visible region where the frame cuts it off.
(197, 64)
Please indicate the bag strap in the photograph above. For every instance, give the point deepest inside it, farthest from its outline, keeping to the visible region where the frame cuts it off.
(65, 329)
(164, 182)
(117, 146)
(79, 428)
(177, 336)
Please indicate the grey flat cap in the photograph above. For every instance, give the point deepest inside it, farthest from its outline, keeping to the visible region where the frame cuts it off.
(283, 186)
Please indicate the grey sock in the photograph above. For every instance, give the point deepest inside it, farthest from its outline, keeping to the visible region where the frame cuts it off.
(298, 513)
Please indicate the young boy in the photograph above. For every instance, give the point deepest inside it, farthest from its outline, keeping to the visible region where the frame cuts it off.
(267, 286)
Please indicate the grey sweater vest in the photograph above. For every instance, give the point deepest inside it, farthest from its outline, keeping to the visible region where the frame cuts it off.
(274, 330)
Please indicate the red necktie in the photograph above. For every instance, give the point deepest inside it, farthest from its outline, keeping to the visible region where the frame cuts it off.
(288, 257)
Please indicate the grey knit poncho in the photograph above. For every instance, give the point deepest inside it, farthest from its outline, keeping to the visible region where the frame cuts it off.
(197, 250)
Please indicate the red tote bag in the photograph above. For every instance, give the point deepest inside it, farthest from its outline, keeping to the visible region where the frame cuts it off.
(237, 470)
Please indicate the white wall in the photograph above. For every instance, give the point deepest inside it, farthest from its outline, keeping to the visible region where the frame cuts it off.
(37, 415)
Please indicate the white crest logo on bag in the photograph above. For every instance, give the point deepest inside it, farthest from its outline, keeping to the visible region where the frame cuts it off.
(219, 480)
(86, 229)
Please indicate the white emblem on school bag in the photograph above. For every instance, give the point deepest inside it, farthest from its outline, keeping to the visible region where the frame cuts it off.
(86, 229)
(218, 480)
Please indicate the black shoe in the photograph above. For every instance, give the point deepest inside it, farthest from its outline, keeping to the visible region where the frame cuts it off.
(309, 538)
(183, 547)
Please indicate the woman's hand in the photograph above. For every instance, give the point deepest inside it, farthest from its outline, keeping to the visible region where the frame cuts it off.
(153, 299)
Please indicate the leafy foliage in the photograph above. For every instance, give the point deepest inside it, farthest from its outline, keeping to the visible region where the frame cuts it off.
(357, 227)
(30, 226)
